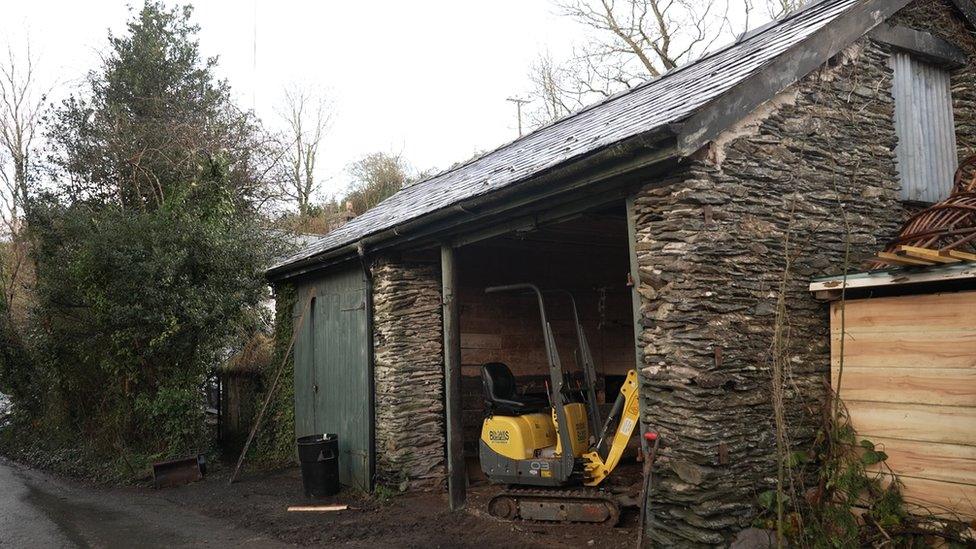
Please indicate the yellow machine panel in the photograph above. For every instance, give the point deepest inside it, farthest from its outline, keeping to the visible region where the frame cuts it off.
(579, 429)
(518, 437)
(597, 468)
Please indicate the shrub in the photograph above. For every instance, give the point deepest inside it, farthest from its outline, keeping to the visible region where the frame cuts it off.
(134, 309)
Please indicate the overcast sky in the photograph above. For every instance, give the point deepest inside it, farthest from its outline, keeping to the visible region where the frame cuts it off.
(428, 79)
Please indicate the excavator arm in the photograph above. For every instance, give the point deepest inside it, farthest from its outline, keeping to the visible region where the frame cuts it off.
(628, 402)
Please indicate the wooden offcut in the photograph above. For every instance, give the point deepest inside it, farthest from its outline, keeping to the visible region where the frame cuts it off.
(965, 256)
(317, 508)
(914, 256)
(909, 383)
(925, 254)
(895, 259)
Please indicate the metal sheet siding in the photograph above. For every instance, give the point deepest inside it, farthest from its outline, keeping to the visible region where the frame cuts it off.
(926, 151)
(332, 371)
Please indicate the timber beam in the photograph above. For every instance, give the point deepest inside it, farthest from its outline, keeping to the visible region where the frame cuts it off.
(921, 44)
(456, 477)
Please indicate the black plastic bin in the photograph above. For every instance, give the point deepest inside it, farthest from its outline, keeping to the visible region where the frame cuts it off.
(319, 455)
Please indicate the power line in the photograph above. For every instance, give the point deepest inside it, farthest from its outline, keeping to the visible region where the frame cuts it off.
(254, 59)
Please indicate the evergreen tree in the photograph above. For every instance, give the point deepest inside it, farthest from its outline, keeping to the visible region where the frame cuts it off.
(153, 111)
(148, 254)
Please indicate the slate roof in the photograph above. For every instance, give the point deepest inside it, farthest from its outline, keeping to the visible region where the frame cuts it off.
(669, 98)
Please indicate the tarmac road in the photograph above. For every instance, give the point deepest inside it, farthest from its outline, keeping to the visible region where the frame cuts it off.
(38, 510)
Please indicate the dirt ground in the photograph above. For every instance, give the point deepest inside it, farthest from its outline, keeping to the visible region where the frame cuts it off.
(38, 509)
(258, 501)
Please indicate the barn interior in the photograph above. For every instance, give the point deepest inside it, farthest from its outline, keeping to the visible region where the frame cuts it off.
(587, 255)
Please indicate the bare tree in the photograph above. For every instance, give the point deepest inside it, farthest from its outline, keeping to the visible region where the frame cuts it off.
(21, 103)
(776, 9)
(632, 41)
(20, 112)
(638, 39)
(307, 116)
(555, 91)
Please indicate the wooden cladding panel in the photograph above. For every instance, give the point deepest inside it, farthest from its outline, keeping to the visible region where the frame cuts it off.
(507, 329)
(916, 422)
(939, 498)
(934, 312)
(932, 460)
(909, 383)
(941, 386)
(910, 347)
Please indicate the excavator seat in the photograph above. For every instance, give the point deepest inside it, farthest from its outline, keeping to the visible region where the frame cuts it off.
(501, 396)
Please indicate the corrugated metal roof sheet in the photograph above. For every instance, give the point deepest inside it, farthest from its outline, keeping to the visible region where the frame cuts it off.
(926, 151)
(656, 103)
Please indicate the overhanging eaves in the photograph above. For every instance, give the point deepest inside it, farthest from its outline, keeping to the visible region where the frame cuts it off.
(782, 71)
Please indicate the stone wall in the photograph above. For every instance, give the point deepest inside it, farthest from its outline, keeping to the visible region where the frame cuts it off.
(409, 374)
(712, 247)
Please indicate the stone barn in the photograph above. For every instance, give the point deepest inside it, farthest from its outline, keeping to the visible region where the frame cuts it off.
(671, 211)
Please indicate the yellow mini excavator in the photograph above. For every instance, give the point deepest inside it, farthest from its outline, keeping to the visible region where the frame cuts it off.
(541, 446)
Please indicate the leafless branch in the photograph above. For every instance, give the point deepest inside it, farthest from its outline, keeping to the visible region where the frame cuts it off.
(21, 103)
(307, 116)
(630, 41)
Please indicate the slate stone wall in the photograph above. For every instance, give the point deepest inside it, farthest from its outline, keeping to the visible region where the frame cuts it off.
(712, 246)
(409, 374)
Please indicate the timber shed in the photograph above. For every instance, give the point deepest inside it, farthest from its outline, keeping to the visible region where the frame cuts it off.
(670, 210)
(907, 375)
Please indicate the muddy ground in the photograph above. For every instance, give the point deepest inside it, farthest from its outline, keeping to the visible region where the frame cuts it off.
(259, 501)
(38, 509)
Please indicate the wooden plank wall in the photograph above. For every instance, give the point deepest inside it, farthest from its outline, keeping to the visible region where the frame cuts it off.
(909, 382)
(506, 327)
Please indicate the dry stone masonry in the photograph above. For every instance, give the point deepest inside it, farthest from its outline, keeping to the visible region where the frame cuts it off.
(408, 374)
(817, 163)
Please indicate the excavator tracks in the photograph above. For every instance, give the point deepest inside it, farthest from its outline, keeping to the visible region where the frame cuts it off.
(556, 505)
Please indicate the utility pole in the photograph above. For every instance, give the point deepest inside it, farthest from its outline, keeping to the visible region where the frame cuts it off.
(518, 107)
(254, 60)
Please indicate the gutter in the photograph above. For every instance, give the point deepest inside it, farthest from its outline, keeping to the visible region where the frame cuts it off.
(640, 151)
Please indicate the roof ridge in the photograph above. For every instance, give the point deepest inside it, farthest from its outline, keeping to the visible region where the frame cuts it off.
(750, 35)
(672, 97)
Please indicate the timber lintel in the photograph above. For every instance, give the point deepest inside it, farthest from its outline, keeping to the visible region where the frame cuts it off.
(922, 44)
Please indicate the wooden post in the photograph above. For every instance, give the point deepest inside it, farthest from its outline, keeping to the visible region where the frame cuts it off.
(635, 297)
(456, 477)
(639, 352)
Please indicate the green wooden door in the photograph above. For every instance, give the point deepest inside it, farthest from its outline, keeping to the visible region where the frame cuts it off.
(332, 371)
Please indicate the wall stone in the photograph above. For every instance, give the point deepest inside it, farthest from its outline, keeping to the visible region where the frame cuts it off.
(408, 374)
(712, 244)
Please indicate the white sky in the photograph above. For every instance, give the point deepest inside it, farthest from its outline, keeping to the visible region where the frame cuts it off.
(425, 78)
